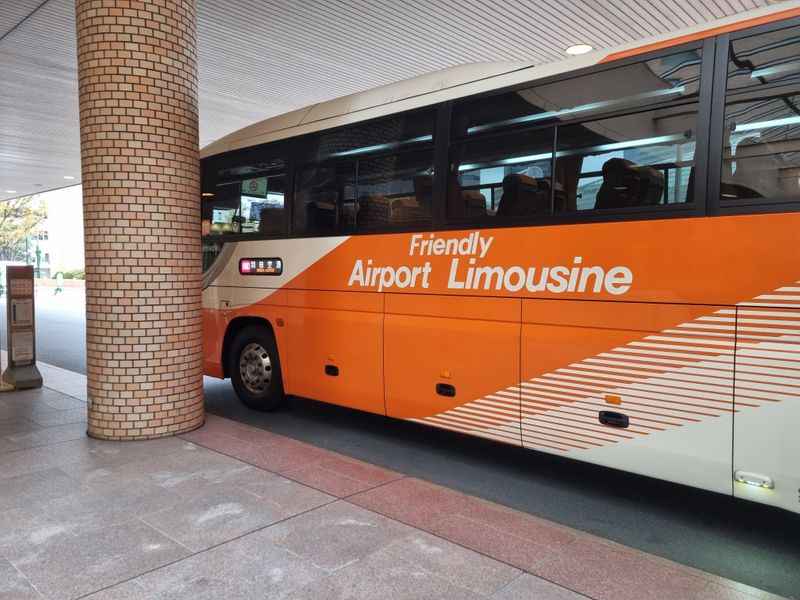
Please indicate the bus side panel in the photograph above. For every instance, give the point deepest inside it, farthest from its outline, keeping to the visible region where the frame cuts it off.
(583, 360)
(335, 347)
(213, 333)
(445, 358)
(766, 439)
(213, 330)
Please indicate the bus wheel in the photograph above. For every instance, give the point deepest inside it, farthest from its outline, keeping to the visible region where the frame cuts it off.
(255, 369)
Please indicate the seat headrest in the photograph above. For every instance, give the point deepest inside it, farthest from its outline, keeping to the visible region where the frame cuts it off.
(518, 180)
(616, 164)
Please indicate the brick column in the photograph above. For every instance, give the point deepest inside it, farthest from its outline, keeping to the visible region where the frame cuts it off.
(137, 78)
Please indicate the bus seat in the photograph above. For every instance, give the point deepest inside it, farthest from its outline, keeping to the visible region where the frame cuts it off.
(522, 195)
(651, 185)
(423, 189)
(375, 210)
(454, 200)
(559, 198)
(627, 184)
(348, 213)
(618, 187)
(321, 214)
(405, 210)
(474, 203)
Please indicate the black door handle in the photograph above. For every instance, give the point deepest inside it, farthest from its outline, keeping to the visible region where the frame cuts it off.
(445, 389)
(613, 419)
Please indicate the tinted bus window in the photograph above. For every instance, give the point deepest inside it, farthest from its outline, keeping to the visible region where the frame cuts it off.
(395, 190)
(769, 58)
(761, 143)
(367, 176)
(761, 151)
(659, 80)
(325, 198)
(244, 193)
(635, 160)
(396, 133)
(501, 176)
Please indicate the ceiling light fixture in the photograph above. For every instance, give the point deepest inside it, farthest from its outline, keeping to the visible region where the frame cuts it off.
(69, 177)
(578, 49)
(11, 191)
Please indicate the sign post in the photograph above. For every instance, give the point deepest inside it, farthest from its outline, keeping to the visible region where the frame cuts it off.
(21, 371)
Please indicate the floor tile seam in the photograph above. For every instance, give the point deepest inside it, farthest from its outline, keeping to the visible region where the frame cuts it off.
(350, 477)
(70, 394)
(9, 453)
(47, 444)
(272, 434)
(194, 553)
(143, 519)
(523, 572)
(740, 593)
(385, 549)
(285, 474)
(294, 442)
(653, 559)
(460, 545)
(574, 533)
(32, 422)
(668, 569)
(29, 582)
(517, 575)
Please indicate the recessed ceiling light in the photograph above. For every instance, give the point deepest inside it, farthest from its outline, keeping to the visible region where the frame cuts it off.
(207, 194)
(579, 49)
(11, 191)
(69, 177)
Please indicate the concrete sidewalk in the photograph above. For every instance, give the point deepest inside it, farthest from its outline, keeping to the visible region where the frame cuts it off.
(230, 511)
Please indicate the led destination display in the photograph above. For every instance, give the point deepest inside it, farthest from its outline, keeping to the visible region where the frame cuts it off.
(261, 266)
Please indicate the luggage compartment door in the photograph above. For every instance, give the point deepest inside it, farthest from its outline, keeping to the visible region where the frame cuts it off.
(447, 356)
(767, 418)
(336, 347)
(641, 387)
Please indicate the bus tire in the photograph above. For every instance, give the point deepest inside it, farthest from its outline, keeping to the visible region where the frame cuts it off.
(255, 369)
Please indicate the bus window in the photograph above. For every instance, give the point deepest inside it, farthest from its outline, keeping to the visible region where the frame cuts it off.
(244, 193)
(635, 160)
(671, 77)
(761, 144)
(221, 209)
(766, 59)
(395, 190)
(761, 152)
(501, 176)
(397, 133)
(324, 199)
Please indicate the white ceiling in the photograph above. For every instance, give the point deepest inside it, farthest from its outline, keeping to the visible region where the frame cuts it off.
(260, 58)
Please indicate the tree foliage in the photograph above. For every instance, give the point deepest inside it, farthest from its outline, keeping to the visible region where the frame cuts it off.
(20, 219)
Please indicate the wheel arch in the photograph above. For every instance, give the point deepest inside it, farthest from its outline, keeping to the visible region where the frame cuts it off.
(234, 327)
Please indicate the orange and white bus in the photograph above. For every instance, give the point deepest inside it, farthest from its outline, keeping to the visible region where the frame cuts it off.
(598, 258)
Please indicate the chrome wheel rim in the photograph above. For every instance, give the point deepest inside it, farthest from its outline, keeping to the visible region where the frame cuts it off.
(255, 368)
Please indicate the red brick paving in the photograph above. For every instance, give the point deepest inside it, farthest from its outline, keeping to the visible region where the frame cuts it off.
(576, 560)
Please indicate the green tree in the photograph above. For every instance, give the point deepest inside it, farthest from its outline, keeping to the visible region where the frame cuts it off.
(20, 219)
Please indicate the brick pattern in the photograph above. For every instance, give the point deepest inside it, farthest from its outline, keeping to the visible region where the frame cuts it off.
(137, 77)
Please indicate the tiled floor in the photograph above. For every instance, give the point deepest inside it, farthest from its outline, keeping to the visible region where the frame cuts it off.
(230, 511)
